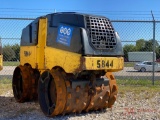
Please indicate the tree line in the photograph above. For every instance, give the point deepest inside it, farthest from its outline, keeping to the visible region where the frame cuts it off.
(143, 46)
(11, 52)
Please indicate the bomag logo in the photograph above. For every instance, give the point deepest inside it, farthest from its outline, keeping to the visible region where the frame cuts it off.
(103, 39)
(65, 30)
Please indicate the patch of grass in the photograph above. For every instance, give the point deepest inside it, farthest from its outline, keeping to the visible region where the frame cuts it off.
(5, 81)
(5, 85)
(138, 89)
(128, 64)
(10, 63)
(138, 82)
(139, 92)
(142, 89)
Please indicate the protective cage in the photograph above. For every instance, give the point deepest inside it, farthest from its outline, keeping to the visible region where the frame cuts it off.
(101, 32)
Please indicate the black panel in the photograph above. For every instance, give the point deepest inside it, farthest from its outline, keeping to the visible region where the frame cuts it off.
(75, 42)
(70, 19)
(30, 34)
(25, 39)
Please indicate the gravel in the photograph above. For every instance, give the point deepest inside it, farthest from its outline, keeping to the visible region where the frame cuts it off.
(129, 106)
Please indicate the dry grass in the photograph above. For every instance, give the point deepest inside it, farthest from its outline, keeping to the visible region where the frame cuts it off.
(5, 85)
(140, 92)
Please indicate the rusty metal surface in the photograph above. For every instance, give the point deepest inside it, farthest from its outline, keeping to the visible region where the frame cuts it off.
(61, 91)
(24, 83)
(58, 94)
(77, 98)
(52, 92)
(20, 83)
(100, 99)
(113, 89)
(98, 95)
(35, 74)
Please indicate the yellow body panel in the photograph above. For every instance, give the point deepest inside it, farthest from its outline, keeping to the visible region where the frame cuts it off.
(72, 62)
(69, 61)
(1, 62)
(28, 55)
(104, 63)
(42, 36)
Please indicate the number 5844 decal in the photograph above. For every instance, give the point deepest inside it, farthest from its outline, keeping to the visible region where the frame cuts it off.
(104, 64)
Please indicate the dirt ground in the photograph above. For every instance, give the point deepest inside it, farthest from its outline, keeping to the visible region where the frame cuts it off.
(129, 106)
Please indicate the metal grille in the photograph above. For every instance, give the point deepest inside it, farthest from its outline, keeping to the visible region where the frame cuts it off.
(101, 33)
